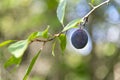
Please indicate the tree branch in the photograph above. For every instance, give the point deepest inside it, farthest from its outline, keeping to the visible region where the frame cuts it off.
(85, 18)
(47, 40)
(57, 35)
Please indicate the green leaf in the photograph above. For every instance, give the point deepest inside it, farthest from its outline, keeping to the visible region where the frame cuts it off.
(53, 48)
(31, 65)
(6, 43)
(72, 24)
(45, 32)
(12, 60)
(62, 39)
(17, 49)
(34, 35)
(61, 10)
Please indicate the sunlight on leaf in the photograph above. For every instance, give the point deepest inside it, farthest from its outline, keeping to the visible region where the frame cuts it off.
(31, 65)
(72, 24)
(61, 10)
(17, 49)
(6, 43)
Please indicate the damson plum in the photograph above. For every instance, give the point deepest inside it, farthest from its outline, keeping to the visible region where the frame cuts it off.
(71, 49)
(79, 38)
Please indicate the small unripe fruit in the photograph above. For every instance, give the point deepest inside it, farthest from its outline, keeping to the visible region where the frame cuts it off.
(79, 38)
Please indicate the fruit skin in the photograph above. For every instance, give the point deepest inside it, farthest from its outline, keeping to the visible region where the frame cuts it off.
(79, 38)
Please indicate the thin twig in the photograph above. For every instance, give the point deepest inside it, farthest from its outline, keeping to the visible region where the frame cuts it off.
(95, 7)
(47, 40)
(84, 18)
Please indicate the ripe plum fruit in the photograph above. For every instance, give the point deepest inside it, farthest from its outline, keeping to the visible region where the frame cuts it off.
(79, 38)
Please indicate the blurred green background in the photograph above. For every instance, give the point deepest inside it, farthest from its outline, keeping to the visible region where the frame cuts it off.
(19, 18)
